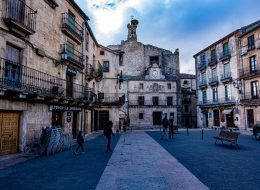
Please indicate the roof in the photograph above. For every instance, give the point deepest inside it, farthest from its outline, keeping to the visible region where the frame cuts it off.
(110, 50)
(187, 76)
(91, 33)
(217, 42)
(75, 6)
(246, 29)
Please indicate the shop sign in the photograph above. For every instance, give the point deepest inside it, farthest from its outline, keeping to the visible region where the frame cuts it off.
(64, 108)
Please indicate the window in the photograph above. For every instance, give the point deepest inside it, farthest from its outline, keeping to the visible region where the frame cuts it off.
(71, 21)
(204, 96)
(186, 108)
(254, 89)
(169, 101)
(140, 100)
(87, 41)
(213, 55)
(105, 66)
(141, 86)
(121, 59)
(251, 42)
(86, 59)
(101, 52)
(203, 78)
(203, 59)
(141, 115)
(169, 86)
(226, 70)
(226, 93)
(70, 50)
(155, 87)
(215, 94)
(154, 59)
(185, 82)
(252, 62)
(94, 45)
(225, 49)
(214, 74)
(155, 100)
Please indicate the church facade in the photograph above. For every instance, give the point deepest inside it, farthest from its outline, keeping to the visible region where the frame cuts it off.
(151, 82)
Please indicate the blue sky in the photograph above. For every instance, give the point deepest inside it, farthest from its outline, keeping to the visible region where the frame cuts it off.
(189, 25)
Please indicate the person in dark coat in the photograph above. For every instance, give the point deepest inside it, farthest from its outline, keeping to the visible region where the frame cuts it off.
(165, 124)
(171, 120)
(108, 132)
(80, 141)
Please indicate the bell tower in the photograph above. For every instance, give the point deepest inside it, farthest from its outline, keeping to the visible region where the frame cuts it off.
(132, 29)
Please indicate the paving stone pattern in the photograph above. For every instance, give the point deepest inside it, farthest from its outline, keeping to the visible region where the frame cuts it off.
(60, 171)
(217, 166)
(139, 163)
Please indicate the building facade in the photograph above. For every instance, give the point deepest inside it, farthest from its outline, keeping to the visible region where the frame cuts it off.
(216, 69)
(150, 81)
(228, 81)
(50, 72)
(189, 100)
(249, 71)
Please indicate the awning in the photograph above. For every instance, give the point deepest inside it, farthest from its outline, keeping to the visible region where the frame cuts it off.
(225, 112)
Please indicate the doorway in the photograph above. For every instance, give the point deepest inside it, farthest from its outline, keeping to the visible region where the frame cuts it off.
(9, 132)
(250, 118)
(74, 125)
(103, 119)
(230, 119)
(56, 118)
(205, 120)
(86, 123)
(157, 118)
(216, 117)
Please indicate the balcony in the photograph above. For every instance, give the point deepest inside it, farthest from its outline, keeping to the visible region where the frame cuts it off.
(249, 73)
(150, 103)
(203, 84)
(213, 61)
(226, 77)
(89, 95)
(97, 70)
(213, 81)
(202, 65)
(89, 72)
(72, 29)
(111, 99)
(19, 17)
(52, 3)
(21, 81)
(249, 97)
(72, 56)
(225, 55)
(246, 48)
(217, 102)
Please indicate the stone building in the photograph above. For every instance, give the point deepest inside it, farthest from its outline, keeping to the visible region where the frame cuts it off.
(189, 100)
(150, 81)
(216, 69)
(227, 80)
(49, 70)
(249, 71)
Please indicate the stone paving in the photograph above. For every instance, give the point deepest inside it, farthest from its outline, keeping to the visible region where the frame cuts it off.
(60, 171)
(138, 162)
(217, 166)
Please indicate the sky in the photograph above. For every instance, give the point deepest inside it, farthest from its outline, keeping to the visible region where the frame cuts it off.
(189, 25)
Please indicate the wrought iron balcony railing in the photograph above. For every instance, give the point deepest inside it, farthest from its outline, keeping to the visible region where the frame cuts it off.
(71, 28)
(213, 60)
(152, 103)
(213, 80)
(250, 72)
(71, 55)
(251, 96)
(98, 70)
(226, 77)
(19, 16)
(217, 101)
(22, 79)
(225, 55)
(202, 65)
(111, 98)
(202, 84)
(89, 72)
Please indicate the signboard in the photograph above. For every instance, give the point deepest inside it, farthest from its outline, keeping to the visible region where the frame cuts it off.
(71, 71)
(64, 108)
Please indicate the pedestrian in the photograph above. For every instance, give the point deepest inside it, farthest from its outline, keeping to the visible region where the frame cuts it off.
(165, 124)
(80, 141)
(171, 120)
(108, 132)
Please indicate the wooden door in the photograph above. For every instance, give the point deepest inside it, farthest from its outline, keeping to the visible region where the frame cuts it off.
(9, 124)
(56, 118)
(216, 117)
(103, 119)
(86, 130)
(74, 125)
(157, 118)
(250, 118)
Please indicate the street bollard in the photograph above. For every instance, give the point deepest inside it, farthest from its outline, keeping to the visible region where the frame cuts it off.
(202, 134)
(187, 131)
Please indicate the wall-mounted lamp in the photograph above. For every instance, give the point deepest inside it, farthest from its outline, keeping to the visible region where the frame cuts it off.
(237, 84)
(120, 79)
(64, 55)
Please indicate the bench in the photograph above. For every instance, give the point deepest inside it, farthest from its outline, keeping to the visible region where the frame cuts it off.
(228, 136)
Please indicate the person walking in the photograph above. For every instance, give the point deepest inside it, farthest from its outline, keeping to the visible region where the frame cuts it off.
(108, 132)
(165, 124)
(171, 120)
(80, 141)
